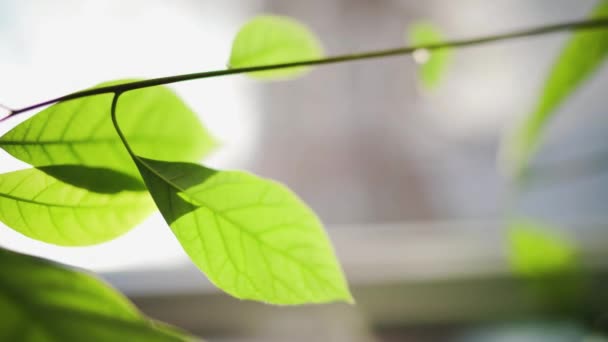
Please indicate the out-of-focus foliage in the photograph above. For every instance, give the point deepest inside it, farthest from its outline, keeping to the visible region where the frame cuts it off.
(549, 262)
(41, 301)
(582, 55)
(271, 39)
(536, 249)
(433, 64)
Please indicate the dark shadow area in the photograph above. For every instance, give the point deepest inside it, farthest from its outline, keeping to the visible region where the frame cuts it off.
(96, 179)
(165, 180)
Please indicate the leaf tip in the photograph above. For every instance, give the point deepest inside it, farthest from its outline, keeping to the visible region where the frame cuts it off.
(350, 299)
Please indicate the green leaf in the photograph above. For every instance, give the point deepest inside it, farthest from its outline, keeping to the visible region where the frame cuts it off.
(433, 64)
(536, 250)
(273, 39)
(43, 301)
(580, 58)
(252, 237)
(38, 204)
(80, 132)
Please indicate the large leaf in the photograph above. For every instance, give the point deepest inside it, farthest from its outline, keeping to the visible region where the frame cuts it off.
(579, 59)
(272, 40)
(41, 301)
(252, 237)
(103, 205)
(80, 131)
(433, 64)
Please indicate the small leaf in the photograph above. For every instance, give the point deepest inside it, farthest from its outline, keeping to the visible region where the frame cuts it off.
(43, 301)
(80, 132)
(580, 58)
(536, 250)
(273, 39)
(48, 209)
(252, 237)
(433, 64)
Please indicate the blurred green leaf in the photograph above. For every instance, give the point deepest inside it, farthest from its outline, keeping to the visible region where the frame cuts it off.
(273, 39)
(252, 237)
(41, 301)
(40, 205)
(536, 249)
(580, 58)
(157, 122)
(550, 264)
(433, 64)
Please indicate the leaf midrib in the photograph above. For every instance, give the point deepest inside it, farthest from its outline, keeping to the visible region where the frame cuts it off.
(155, 138)
(106, 205)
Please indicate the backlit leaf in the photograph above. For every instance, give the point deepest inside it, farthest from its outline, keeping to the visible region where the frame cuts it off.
(41, 301)
(156, 121)
(580, 58)
(252, 237)
(433, 64)
(273, 39)
(104, 205)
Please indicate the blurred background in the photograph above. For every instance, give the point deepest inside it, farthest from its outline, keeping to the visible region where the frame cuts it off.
(405, 178)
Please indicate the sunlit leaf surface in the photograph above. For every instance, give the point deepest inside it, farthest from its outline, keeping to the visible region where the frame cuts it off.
(156, 121)
(102, 205)
(252, 237)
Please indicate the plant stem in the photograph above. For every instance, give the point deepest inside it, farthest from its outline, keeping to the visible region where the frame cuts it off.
(120, 88)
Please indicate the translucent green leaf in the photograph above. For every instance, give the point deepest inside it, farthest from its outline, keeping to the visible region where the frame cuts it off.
(272, 40)
(80, 131)
(433, 64)
(48, 209)
(252, 237)
(536, 249)
(580, 58)
(41, 301)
